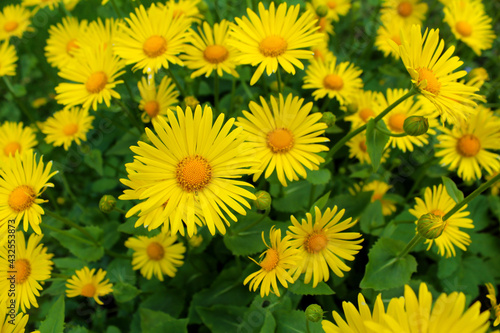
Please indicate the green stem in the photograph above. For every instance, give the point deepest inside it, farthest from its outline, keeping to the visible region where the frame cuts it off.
(280, 83)
(471, 196)
(231, 100)
(216, 92)
(311, 195)
(68, 234)
(414, 242)
(115, 7)
(307, 326)
(72, 224)
(400, 135)
(177, 84)
(253, 224)
(131, 116)
(64, 9)
(59, 276)
(326, 102)
(21, 106)
(245, 88)
(119, 210)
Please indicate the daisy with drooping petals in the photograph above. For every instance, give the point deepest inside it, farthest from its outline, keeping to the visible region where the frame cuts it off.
(64, 39)
(279, 259)
(31, 266)
(8, 58)
(323, 244)
(156, 102)
(22, 181)
(14, 21)
(335, 8)
(340, 81)
(66, 126)
(14, 137)
(94, 76)
(275, 37)
(86, 282)
(366, 105)
(431, 71)
(437, 201)
(100, 34)
(152, 39)
(390, 30)
(286, 136)
(405, 11)
(467, 145)
(470, 24)
(193, 162)
(493, 301)
(210, 51)
(185, 8)
(9, 324)
(156, 255)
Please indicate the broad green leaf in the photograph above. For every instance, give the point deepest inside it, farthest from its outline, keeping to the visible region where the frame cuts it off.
(452, 189)
(157, 321)
(78, 329)
(448, 266)
(320, 203)
(128, 227)
(84, 251)
(478, 209)
(485, 244)
(94, 160)
(56, 288)
(120, 270)
(375, 143)
(353, 204)
(223, 318)
(292, 200)
(124, 292)
(295, 322)
(494, 202)
(113, 329)
(71, 264)
(300, 288)
(54, 322)
(168, 300)
(319, 177)
(269, 325)
(372, 219)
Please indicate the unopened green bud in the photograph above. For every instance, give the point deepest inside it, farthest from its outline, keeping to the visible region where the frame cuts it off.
(416, 125)
(263, 200)
(322, 11)
(107, 203)
(430, 226)
(202, 7)
(314, 313)
(329, 119)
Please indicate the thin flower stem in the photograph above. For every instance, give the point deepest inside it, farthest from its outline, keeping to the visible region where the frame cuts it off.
(72, 224)
(216, 92)
(311, 195)
(414, 242)
(231, 100)
(280, 83)
(471, 196)
(68, 234)
(119, 210)
(400, 135)
(177, 84)
(307, 326)
(115, 7)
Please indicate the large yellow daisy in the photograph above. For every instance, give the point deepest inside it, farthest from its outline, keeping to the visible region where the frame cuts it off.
(286, 136)
(335, 8)
(14, 137)
(86, 282)
(8, 58)
(193, 162)
(64, 39)
(14, 21)
(274, 37)
(156, 102)
(405, 11)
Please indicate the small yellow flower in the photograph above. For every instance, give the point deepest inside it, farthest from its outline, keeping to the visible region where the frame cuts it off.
(87, 283)
(493, 300)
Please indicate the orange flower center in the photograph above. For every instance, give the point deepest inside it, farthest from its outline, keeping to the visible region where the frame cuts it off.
(315, 243)
(331, 4)
(70, 129)
(155, 251)
(271, 260)
(377, 196)
(396, 122)
(10, 26)
(23, 270)
(215, 54)
(362, 146)
(280, 140)
(333, 82)
(322, 24)
(152, 108)
(273, 46)
(21, 198)
(11, 148)
(154, 46)
(396, 39)
(366, 114)
(405, 9)
(468, 145)
(464, 28)
(96, 82)
(433, 84)
(88, 290)
(193, 173)
(438, 212)
(70, 46)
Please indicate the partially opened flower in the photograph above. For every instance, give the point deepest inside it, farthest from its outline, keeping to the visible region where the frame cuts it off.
(86, 282)
(15, 20)
(8, 58)
(64, 40)
(156, 101)
(334, 8)
(495, 307)
(15, 137)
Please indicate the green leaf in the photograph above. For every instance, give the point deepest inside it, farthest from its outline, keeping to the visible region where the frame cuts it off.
(120, 270)
(319, 177)
(372, 218)
(157, 321)
(494, 202)
(295, 322)
(71, 264)
(353, 205)
(124, 292)
(383, 271)
(320, 203)
(168, 300)
(300, 288)
(94, 160)
(222, 318)
(375, 143)
(113, 329)
(128, 227)
(56, 288)
(269, 325)
(452, 189)
(293, 197)
(478, 209)
(54, 322)
(485, 244)
(78, 329)
(448, 266)
(85, 251)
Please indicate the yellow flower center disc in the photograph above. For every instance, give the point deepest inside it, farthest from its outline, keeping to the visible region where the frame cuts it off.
(468, 145)
(366, 113)
(21, 198)
(315, 243)
(433, 84)
(155, 251)
(322, 24)
(71, 46)
(10, 26)
(193, 173)
(154, 46)
(11, 148)
(70, 129)
(362, 146)
(396, 122)
(331, 4)
(280, 140)
(273, 46)
(88, 290)
(23, 270)
(215, 54)
(464, 28)
(152, 108)
(271, 260)
(405, 9)
(333, 82)
(96, 82)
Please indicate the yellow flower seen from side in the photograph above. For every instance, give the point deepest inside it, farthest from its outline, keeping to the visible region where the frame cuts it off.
(495, 307)
(335, 8)
(155, 101)
(405, 11)
(14, 137)
(279, 258)
(8, 58)
(15, 20)
(262, 40)
(64, 41)
(86, 282)
(66, 126)
(157, 255)
(187, 9)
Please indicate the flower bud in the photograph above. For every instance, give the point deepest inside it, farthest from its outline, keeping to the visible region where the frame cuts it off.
(329, 119)
(274, 86)
(416, 125)
(322, 11)
(314, 313)
(430, 226)
(107, 203)
(191, 101)
(203, 7)
(263, 200)
(195, 240)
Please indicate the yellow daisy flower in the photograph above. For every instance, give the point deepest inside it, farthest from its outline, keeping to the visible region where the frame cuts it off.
(156, 102)
(358, 149)
(323, 245)
(324, 23)
(191, 163)
(14, 21)
(335, 8)
(431, 71)
(495, 188)
(286, 137)
(156, 255)
(31, 266)
(210, 51)
(152, 39)
(42, 3)
(406, 11)
(14, 137)
(493, 300)
(8, 58)
(262, 40)
(322, 52)
(467, 145)
(64, 40)
(390, 30)
(379, 189)
(66, 126)
(86, 283)
(366, 105)
(9, 324)
(470, 24)
(100, 34)
(279, 259)
(22, 182)
(340, 81)
(93, 77)
(438, 202)
(184, 8)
